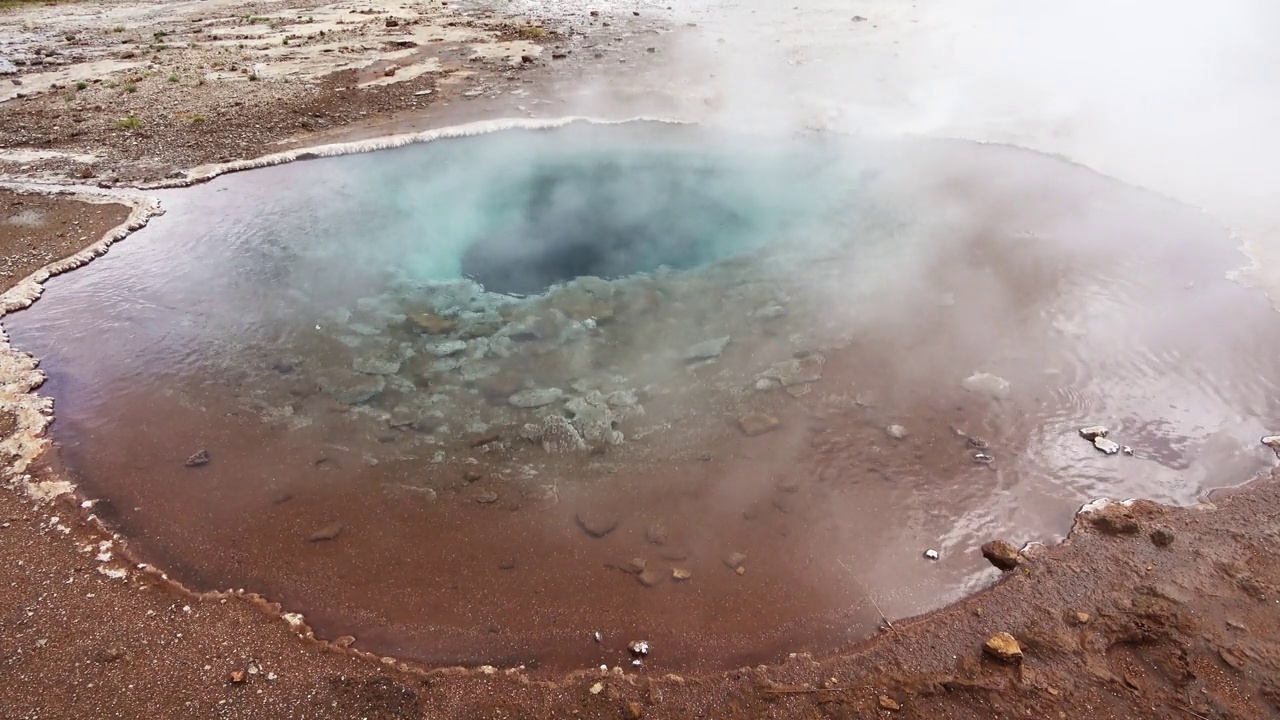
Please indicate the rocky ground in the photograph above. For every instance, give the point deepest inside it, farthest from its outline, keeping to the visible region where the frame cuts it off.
(1145, 612)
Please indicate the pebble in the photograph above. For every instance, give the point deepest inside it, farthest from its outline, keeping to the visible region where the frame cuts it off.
(596, 524)
(681, 574)
(1005, 647)
(237, 677)
(487, 497)
(757, 423)
(889, 703)
(1001, 553)
(1082, 618)
(201, 457)
(735, 560)
(897, 432)
(931, 554)
(639, 648)
(1162, 536)
(636, 566)
(596, 689)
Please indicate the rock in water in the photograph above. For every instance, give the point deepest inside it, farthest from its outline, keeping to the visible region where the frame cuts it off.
(535, 398)
(1273, 442)
(987, 384)
(1003, 646)
(1093, 432)
(706, 350)
(201, 457)
(1001, 553)
(649, 578)
(1110, 447)
(376, 365)
(735, 560)
(897, 432)
(757, 423)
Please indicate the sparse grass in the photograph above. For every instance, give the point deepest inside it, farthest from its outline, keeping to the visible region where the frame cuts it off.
(173, 77)
(69, 97)
(197, 119)
(81, 85)
(531, 32)
(200, 81)
(253, 77)
(284, 41)
(158, 34)
(117, 29)
(130, 87)
(128, 123)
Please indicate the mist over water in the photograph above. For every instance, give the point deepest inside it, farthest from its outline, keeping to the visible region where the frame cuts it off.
(311, 327)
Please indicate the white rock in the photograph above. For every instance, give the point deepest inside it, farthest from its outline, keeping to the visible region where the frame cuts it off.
(987, 384)
(1093, 432)
(931, 554)
(1109, 447)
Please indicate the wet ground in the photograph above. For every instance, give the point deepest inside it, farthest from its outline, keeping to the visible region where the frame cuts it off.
(463, 526)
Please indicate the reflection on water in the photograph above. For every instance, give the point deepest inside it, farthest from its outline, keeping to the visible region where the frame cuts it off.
(307, 326)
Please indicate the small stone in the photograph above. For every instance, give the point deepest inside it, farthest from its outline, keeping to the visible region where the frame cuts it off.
(1001, 553)
(1273, 442)
(1128, 451)
(237, 677)
(931, 554)
(1093, 432)
(757, 423)
(200, 458)
(328, 532)
(649, 578)
(735, 560)
(1110, 447)
(1162, 536)
(983, 458)
(706, 350)
(596, 524)
(390, 70)
(636, 566)
(656, 534)
(1082, 618)
(740, 570)
(535, 398)
(897, 432)
(375, 366)
(1003, 646)
(889, 703)
(638, 648)
(596, 689)
(487, 497)
(344, 640)
(987, 384)
(681, 574)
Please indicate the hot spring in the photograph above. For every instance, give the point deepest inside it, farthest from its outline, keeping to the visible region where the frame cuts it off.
(475, 400)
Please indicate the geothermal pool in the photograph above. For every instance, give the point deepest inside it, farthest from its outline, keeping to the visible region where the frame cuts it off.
(475, 400)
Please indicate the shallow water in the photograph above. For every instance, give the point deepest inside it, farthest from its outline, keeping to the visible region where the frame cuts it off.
(296, 322)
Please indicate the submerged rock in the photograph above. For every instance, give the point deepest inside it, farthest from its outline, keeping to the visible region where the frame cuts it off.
(535, 397)
(897, 432)
(594, 419)
(757, 423)
(597, 524)
(706, 350)
(987, 384)
(446, 348)
(794, 371)
(556, 435)
(350, 387)
(376, 365)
